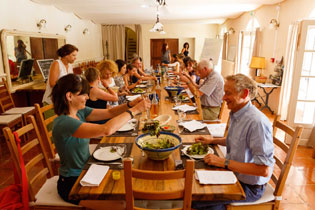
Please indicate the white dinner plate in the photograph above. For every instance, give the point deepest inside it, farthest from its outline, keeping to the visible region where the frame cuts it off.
(127, 127)
(104, 154)
(141, 86)
(210, 151)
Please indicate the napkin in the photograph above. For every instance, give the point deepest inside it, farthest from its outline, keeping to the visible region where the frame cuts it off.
(216, 130)
(192, 125)
(94, 175)
(189, 93)
(184, 108)
(215, 177)
(131, 98)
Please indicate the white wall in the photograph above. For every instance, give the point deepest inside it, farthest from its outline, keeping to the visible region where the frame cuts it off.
(198, 32)
(290, 11)
(23, 15)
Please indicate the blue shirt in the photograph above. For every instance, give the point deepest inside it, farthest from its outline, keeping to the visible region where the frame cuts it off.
(250, 140)
(74, 152)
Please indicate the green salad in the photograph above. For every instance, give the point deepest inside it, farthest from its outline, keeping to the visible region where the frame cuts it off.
(159, 144)
(152, 127)
(197, 149)
(137, 90)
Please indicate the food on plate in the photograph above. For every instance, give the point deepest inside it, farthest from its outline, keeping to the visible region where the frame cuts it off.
(163, 143)
(113, 149)
(197, 149)
(137, 90)
(152, 127)
(169, 128)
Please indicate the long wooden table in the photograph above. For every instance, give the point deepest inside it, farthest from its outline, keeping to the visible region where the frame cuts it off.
(110, 189)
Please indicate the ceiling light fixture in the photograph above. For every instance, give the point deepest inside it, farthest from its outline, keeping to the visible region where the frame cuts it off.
(158, 27)
(41, 24)
(68, 28)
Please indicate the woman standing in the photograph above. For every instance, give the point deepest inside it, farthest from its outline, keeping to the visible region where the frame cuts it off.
(72, 132)
(185, 49)
(59, 68)
(20, 52)
(166, 54)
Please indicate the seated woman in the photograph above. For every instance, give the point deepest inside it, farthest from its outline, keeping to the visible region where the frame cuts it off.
(129, 77)
(190, 70)
(108, 69)
(176, 64)
(119, 81)
(72, 132)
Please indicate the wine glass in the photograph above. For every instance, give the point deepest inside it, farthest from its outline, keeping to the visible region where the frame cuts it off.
(121, 150)
(177, 101)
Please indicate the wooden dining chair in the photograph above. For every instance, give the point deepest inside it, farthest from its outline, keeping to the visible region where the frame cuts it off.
(42, 185)
(132, 193)
(45, 125)
(7, 104)
(273, 195)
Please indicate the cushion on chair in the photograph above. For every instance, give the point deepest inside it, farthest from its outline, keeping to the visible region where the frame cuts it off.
(267, 196)
(159, 204)
(48, 195)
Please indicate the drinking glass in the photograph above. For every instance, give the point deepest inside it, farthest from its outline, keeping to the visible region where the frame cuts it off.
(121, 150)
(177, 101)
(181, 115)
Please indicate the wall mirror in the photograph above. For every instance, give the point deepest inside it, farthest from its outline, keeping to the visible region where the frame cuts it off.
(20, 52)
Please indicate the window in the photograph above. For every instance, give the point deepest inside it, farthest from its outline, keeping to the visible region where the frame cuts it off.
(247, 45)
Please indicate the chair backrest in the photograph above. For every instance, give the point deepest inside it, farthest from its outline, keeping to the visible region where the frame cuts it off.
(184, 194)
(37, 166)
(44, 123)
(283, 154)
(221, 110)
(6, 100)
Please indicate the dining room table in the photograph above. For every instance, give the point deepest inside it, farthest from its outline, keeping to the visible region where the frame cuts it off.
(110, 189)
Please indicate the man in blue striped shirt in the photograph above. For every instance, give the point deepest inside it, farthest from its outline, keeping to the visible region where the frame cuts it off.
(249, 142)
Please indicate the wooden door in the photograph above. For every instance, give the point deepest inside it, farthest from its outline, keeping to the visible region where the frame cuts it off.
(156, 49)
(37, 51)
(50, 48)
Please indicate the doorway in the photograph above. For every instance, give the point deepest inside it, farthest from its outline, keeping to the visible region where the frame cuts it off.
(156, 49)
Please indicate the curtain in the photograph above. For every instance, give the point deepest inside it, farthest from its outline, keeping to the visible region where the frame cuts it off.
(289, 62)
(113, 41)
(239, 53)
(225, 46)
(256, 49)
(139, 40)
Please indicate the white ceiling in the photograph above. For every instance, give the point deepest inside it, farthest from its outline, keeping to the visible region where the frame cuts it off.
(180, 11)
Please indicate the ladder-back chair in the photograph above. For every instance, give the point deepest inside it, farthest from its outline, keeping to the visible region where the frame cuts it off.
(273, 195)
(38, 169)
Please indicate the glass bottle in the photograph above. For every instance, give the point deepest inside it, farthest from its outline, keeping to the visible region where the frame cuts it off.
(158, 90)
(154, 106)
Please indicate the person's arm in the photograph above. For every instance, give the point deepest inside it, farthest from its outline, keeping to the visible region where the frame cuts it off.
(118, 116)
(235, 166)
(133, 85)
(169, 55)
(183, 50)
(53, 73)
(190, 84)
(211, 140)
(101, 94)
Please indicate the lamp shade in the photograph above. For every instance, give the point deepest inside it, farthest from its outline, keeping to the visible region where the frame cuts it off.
(257, 63)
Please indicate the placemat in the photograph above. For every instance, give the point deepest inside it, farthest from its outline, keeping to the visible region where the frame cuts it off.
(92, 160)
(203, 131)
(133, 132)
(199, 163)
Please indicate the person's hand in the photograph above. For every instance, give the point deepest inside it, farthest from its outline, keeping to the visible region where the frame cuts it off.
(203, 140)
(214, 160)
(104, 83)
(135, 101)
(184, 78)
(142, 106)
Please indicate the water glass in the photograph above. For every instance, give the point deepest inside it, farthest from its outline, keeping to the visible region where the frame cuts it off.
(177, 101)
(181, 115)
(121, 150)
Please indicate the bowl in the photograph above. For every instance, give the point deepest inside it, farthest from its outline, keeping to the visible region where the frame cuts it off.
(164, 118)
(158, 154)
(168, 128)
(173, 90)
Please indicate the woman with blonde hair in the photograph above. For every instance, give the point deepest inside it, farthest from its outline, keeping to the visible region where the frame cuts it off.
(108, 69)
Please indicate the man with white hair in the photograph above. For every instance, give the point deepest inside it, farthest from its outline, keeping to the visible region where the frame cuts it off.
(211, 91)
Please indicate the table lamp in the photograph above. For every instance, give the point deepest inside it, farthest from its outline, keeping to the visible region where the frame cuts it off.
(258, 63)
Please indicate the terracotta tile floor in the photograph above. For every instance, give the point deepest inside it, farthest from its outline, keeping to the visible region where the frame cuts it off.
(299, 192)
